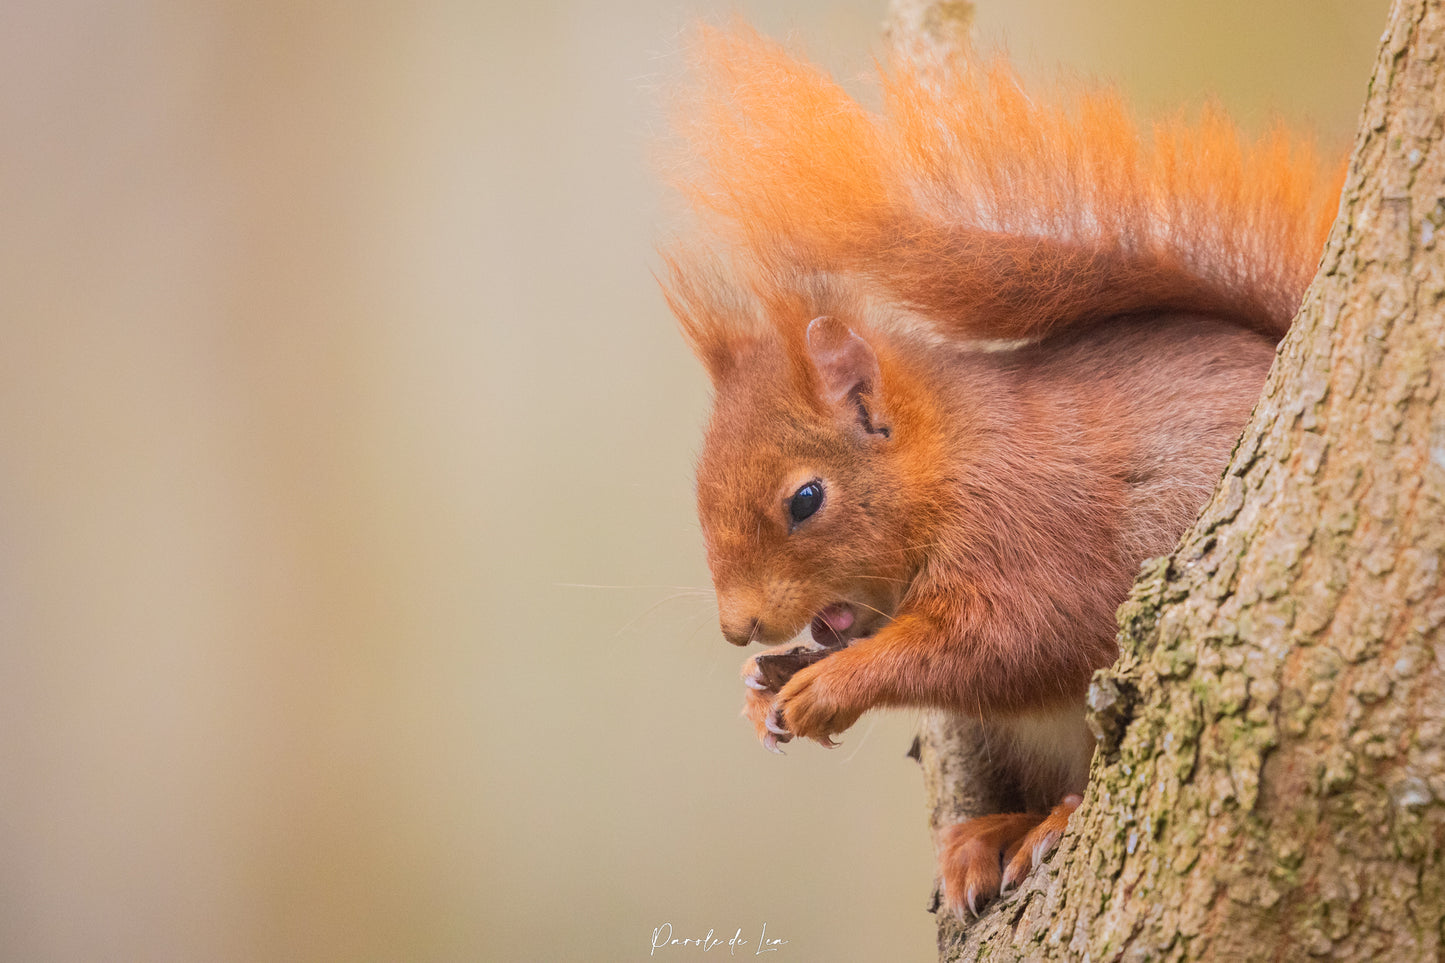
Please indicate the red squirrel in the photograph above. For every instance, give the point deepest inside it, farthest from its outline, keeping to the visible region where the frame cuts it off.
(976, 355)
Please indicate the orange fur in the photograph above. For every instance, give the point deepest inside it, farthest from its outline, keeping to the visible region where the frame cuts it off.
(982, 512)
(989, 854)
(993, 211)
(972, 852)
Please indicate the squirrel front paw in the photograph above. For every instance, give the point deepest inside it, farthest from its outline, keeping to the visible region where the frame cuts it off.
(764, 675)
(989, 855)
(757, 705)
(813, 705)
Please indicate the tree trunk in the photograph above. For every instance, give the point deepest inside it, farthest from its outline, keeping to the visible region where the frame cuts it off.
(1270, 779)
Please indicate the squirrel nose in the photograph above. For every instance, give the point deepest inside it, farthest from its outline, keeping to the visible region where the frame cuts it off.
(741, 633)
(737, 614)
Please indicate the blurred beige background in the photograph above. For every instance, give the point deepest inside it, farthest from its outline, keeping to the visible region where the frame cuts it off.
(351, 602)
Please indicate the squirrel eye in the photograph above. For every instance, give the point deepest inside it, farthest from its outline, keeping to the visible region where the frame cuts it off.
(806, 501)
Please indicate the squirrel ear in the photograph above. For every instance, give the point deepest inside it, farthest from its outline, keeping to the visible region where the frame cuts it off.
(848, 374)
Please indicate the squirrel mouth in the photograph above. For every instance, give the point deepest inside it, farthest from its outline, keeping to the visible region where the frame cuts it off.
(831, 626)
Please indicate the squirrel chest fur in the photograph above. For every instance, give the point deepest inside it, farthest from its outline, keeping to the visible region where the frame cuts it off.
(975, 357)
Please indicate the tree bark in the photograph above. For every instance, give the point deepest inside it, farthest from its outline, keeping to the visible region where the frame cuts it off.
(932, 27)
(1270, 778)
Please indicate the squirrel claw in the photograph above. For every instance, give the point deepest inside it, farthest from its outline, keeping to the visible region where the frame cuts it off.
(752, 682)
(774, 723)
(770, 743)
(827, 742)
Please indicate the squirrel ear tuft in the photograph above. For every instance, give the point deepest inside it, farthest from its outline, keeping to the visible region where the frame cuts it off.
(717, 354)
(848, 373)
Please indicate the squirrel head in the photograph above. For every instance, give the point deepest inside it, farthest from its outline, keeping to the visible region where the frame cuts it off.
(803, 490)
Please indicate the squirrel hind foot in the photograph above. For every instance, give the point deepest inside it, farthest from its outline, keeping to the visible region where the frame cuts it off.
(988, 856)
(1036, 845)
(973, 854)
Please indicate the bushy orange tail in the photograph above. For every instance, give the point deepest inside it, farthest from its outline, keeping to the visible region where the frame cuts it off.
(992, 212)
